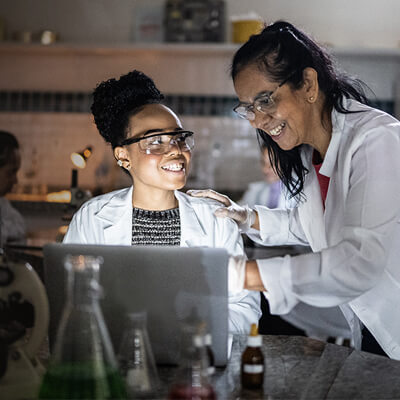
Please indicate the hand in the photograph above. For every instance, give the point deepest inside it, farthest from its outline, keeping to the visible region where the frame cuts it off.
(243, 215)
(236, 274)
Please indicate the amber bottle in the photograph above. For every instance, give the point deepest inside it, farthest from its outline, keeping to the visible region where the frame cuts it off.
(252, 367)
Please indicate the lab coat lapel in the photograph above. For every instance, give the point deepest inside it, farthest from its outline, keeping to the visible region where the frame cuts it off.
(192, 230)
(116, 216)
(311, 211)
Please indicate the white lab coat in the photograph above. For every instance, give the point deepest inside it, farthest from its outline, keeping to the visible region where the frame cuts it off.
(316, 322)
(356, 241)
(107, 219)
(12, 224)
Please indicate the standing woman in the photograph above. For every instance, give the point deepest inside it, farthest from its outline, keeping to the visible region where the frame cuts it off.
(150, 144)
(341, 159)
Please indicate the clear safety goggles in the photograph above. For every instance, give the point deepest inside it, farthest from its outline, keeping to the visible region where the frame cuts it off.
(160, 143)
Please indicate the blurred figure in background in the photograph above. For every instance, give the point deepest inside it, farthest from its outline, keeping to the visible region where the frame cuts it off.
(268, 191)
(12, 225)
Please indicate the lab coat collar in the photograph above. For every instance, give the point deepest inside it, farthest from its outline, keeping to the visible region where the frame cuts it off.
(191, 226)
(328, 165)
(117, 215)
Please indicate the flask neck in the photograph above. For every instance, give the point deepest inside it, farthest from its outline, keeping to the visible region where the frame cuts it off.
(83, 291)
(83, 280)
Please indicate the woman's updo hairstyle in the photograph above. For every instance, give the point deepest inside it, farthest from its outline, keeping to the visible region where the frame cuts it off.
(116, 100)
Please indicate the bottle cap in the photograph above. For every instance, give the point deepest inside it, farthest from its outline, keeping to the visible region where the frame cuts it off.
(254, 339)
(198, 341)
(207, 339)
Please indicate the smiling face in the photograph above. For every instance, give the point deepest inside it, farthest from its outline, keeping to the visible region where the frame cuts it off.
(154, 176)
(289, 119)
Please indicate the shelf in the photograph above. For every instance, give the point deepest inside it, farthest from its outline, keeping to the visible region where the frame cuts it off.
(178, 48)
(366, 51)
(120, 48)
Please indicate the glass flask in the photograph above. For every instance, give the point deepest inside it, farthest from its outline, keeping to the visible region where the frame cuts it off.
(83, 364)
(192, 381)
(135, 358)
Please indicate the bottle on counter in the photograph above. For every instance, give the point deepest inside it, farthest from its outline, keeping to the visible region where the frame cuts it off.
(192, 380)
(210, 354)
(252, 367)
(83, 365)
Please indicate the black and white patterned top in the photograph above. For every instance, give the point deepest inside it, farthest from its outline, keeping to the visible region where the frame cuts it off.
(156, 228)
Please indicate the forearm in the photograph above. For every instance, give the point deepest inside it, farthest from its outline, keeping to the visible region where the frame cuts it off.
(252, 278)
(277, 227)
(256, 224)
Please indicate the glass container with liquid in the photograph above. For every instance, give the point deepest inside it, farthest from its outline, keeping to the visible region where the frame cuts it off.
(252, 368)
(83, 364)
(192, 381)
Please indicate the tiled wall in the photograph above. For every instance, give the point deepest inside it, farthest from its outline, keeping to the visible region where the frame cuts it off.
(225, 155)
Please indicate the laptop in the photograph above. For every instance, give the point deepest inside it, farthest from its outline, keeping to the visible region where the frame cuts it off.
(172, 284)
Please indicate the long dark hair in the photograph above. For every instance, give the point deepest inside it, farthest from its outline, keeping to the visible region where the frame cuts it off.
(282, 51)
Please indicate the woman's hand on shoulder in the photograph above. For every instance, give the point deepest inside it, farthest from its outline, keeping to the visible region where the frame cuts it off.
(244, 216)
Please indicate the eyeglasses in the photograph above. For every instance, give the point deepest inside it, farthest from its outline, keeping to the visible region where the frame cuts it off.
(160, 143)
(262, 103)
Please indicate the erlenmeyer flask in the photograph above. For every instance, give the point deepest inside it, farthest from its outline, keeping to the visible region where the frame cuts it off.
(83, 364)
(192, 381)
(135, 357)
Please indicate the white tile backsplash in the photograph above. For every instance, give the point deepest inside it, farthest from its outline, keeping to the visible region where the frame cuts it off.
(225, 156)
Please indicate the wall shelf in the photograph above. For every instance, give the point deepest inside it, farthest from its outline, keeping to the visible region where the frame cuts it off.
(177, 48)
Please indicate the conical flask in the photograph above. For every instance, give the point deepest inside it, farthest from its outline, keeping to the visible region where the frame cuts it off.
(192, 380)
(135, 358)
(83, 365)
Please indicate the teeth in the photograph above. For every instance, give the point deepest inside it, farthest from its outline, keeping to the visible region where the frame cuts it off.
(276, 131)
(173, 167)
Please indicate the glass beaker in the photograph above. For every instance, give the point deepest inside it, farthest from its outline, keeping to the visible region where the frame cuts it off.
(135, 358)
(192, 380)
(83, 365)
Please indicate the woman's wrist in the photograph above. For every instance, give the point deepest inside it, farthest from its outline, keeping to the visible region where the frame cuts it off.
(253, 278)
(256, 221)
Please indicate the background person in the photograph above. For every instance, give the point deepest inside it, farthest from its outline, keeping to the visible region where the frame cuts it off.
(150, 144)
(12, 224)
(269, 191)
(340, 157)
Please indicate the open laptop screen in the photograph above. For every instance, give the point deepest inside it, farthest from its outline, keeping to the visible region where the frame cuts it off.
(171, 283)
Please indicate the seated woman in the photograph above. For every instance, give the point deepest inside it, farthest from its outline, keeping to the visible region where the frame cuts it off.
(12, 224)
(151, 145)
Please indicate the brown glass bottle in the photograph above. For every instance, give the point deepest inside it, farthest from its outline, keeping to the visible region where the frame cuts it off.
(252, 367)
